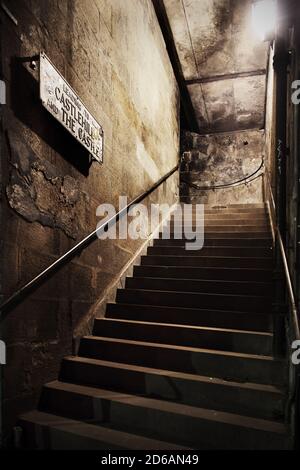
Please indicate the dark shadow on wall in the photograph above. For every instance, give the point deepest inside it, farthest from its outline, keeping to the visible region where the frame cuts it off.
(28, 108)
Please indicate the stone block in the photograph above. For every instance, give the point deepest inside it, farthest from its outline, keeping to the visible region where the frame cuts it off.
(82, 283)
(36, 236)
(16, 373)
(32, 264)
(33, 320)
(10, 268)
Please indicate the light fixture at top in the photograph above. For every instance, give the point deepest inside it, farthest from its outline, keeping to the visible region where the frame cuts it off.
(264, 17)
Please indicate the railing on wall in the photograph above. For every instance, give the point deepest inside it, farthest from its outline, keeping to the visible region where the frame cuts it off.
(278, 238)
(245, 180)
(20, 294)
(292, 317)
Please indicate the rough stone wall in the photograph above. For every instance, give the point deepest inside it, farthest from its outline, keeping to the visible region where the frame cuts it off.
(113, 55)
(217, 159)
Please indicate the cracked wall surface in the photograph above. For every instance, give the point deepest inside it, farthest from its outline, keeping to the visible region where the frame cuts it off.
(219, 159)
(40, 193)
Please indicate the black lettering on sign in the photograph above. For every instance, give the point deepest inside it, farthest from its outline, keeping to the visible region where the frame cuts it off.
(61, 101)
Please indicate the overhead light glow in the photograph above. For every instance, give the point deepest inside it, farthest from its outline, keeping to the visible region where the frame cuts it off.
(264, 16)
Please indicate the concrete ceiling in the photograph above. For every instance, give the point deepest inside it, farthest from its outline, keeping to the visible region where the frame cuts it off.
(222, 61)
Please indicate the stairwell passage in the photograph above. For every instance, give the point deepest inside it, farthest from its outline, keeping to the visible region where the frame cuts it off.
(184, 357)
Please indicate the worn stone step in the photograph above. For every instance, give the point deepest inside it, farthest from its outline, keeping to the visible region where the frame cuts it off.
(188, 316)
(208, 222)
(209, 228)
(223, 235)
(234, 252)
(185, 335)
(212, 363)
(229, 211)
(187, 230)
(251, 399)
(190, 219)
(235, 212)
(207, 261)
(200, 272)
(189, 227)
(226, 216)
(221, 242)
(239, 207)
(245, 303)
(46, 431)
(168, 421)
(201, 285)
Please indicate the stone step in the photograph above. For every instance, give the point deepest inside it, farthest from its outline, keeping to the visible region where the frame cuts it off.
(226, 216)
(221, 242)
(220, 251)
(239, 207)
(209, 228)
(211, 273)
(208, 221)
(46, 431)
(256, 212)
(185, 335)
(207, 261)
(224, 234)
(234, 302)
(192, 426)
(262, 322)
(212, 363)
(201, 285)
(250, 399)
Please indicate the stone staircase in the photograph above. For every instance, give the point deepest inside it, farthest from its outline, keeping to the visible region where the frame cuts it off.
(183, 359)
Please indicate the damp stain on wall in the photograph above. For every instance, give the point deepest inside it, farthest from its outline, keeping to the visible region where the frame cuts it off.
(38, 193)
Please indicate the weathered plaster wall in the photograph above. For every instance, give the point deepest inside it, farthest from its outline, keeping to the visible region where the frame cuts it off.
(216, 43)
(230, 104)
(217, 159)
(224, 65)
(112, 53)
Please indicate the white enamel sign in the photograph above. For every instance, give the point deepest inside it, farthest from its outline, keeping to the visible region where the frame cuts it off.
(59, 98)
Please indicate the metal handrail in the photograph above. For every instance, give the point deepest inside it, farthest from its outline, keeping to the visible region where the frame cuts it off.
(295, 320)
(294, 310)
(244, 180)
(27, 288)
